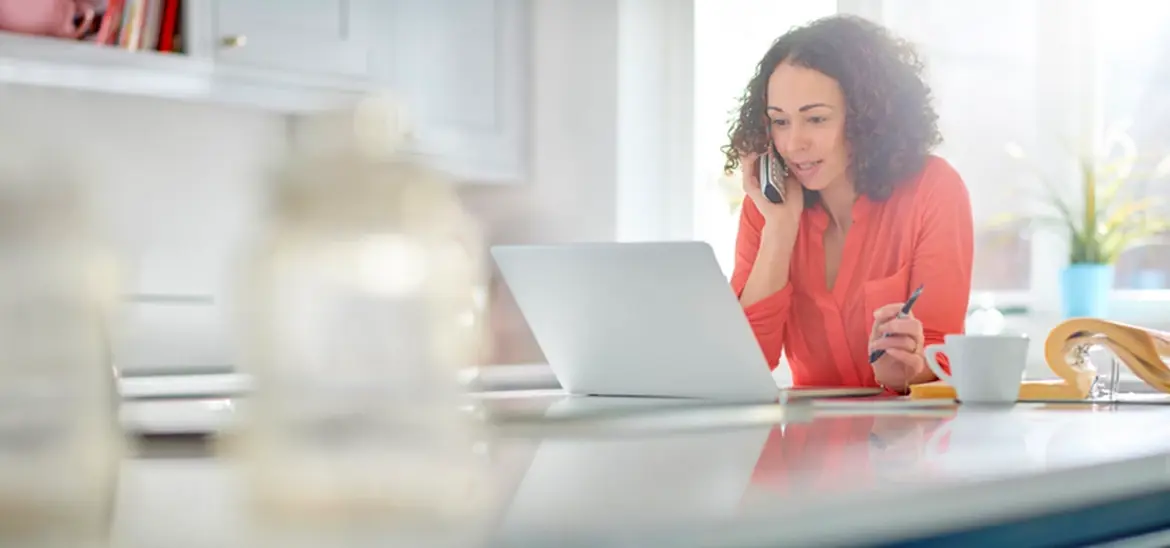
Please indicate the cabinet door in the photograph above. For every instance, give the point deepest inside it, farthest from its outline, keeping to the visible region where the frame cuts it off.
(462, 67)
(316, 37)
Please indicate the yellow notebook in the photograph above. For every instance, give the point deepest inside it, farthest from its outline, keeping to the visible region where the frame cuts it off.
(1053, 389)
(1142, 350)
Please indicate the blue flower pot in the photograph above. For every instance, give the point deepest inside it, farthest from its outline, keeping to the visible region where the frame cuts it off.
(1085, 290)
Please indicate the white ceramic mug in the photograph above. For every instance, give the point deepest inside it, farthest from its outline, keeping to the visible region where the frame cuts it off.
(984, 368)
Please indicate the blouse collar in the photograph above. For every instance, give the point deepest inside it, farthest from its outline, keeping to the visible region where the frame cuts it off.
(862, 207)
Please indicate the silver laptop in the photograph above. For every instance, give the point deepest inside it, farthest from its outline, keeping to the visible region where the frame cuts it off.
(637, 319)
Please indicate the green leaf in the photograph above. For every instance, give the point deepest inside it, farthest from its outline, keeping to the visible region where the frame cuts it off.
(1111, 190)
(1128, 211)
(1089, 181)
(1128, 236)
(1058, 202)
(1079, 253)
(1109, 223)
(1051, 192)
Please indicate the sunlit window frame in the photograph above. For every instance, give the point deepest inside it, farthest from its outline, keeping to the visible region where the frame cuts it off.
(1048, 256)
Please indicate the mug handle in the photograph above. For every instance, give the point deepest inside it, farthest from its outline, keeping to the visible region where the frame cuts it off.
(932, 362)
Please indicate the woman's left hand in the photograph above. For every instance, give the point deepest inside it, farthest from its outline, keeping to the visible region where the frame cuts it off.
(903, 363)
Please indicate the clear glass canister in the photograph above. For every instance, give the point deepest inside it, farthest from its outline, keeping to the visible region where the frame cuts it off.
(357, 312)
(60, 441)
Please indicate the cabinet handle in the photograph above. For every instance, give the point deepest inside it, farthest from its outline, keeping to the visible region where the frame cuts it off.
(234, 41)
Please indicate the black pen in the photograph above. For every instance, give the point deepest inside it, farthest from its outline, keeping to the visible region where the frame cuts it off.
(876, 354)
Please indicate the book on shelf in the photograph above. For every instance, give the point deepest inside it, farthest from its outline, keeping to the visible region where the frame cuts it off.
(139, 25)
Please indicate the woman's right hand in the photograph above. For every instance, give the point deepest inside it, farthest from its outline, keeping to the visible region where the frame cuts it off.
(773, 242)
(785, 215)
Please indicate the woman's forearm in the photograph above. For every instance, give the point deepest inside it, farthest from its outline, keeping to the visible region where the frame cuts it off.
(769, 273)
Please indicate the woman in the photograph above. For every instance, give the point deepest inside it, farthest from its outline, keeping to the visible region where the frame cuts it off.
(870, 213)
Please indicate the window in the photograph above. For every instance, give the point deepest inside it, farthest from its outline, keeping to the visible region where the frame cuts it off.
(1133, 38)
(960, 62)
(730, 38)
(1002, 71)
(981, 64)
(994, 89)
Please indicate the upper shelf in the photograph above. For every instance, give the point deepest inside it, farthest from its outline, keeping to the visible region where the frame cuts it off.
(51, 62)
(66, 63)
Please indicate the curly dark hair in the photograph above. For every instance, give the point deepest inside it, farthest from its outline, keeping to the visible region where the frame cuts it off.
(890, 122)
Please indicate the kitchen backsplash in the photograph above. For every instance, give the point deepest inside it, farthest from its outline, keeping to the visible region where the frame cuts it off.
(174, 184)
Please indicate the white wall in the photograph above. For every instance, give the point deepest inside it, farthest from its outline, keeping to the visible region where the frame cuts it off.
(573, 193)
(173, 182)
(611, 143)
(173, 185)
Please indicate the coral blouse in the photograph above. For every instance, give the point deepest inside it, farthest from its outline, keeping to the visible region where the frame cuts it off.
(922, 234)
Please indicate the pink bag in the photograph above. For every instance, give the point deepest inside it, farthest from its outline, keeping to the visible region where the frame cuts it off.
(47, 17)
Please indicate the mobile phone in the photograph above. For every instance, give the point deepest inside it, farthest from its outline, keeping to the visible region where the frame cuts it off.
(772, 175)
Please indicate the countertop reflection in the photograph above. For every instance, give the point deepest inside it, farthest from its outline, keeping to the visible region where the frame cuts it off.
(595, 471)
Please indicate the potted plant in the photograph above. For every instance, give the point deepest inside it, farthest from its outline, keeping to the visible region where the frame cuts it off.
(1106, 219)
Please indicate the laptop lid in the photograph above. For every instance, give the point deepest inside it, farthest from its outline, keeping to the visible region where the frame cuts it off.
(637, 319)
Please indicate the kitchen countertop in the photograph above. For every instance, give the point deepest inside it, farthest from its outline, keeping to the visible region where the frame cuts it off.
(201, 402)
(617, 471)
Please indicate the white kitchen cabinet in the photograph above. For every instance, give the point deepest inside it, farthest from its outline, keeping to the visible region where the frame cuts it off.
(462, 68)
(306, 37)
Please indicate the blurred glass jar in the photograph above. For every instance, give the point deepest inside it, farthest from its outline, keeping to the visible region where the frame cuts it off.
(986, 318)
(357, 312)
(60, 441)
